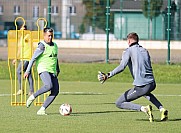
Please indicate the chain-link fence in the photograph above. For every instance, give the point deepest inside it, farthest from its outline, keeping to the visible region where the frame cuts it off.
(86, 19)
(149, 18)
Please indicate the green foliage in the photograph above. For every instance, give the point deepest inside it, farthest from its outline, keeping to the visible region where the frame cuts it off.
(96, 14)
(151, 8)
(82, 29)
(94, 111)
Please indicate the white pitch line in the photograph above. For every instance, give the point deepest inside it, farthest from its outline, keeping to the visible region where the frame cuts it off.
(80, 93)
(168, 95)
(1, 95)
(92, 93)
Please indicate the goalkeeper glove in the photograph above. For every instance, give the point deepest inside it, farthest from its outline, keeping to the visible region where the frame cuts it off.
(102, 76)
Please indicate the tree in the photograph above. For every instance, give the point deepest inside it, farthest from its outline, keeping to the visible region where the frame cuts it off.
(151, 9)
(81, 29)
(96, 14)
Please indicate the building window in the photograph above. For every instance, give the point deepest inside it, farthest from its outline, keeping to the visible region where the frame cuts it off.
(1, 9)
(16, 10)
(72, 10)
(54, 10)
(35, 11)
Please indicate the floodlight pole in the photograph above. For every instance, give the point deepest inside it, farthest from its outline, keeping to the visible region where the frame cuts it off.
(168, 31)
(107, 29)
(49, 13)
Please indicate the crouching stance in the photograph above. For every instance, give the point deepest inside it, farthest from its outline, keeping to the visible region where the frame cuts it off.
(138, 60)
(48, 69)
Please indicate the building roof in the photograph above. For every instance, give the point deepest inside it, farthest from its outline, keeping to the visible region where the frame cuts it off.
(131, 5)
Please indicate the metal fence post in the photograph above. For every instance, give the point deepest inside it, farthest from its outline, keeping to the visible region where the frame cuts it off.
(121, 16)
(49, 13)
(107, 29)
(168, 31)
(149, 10)
(93, 19)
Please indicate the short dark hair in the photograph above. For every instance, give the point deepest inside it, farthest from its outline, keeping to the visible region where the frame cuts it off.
(133, 36)
(48, 29)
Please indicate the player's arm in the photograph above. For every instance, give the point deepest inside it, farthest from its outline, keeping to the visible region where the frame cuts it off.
(124, 62)
(125, 59)
(40, 49)
(58, 69)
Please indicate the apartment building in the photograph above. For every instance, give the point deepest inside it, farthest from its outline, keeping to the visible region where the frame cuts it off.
(66, 15)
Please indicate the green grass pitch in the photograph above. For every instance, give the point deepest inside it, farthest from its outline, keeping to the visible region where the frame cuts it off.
(94, 111)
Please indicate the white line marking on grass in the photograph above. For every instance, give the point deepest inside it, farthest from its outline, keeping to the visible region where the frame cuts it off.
(2, 95)
(168, 95)
(85, 93)
(93, 93)
(76, 93)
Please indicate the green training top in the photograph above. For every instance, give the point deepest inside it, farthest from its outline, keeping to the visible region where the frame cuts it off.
(47, 61)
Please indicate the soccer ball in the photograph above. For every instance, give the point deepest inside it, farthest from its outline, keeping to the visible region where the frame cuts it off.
(65, 109)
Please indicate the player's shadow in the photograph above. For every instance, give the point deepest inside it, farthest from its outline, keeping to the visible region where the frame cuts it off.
(93, 103)
(158, 120)
(177, 119)
(98, 112)
(84, 104)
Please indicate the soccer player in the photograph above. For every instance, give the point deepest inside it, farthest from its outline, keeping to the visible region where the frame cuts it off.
(137, 59)
(24, 52)
(48, 69)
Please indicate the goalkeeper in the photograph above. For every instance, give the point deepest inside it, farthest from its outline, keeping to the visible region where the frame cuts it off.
(138, 60)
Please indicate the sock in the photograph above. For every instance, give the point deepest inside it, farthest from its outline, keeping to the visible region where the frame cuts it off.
(143, 109)
(32, 97)
(161, 109)
(42, 108)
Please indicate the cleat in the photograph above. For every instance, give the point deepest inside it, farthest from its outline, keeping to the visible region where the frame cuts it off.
(29, 101)
(41, 112)
(149, 113)
(164, 115)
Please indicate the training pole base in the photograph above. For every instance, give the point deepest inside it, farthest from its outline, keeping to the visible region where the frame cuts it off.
(38, 104)
(18, 104)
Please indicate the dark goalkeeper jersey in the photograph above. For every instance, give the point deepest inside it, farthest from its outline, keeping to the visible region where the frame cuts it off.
(137, 59)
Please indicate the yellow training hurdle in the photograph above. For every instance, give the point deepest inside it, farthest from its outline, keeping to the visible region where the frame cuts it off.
(15, 52)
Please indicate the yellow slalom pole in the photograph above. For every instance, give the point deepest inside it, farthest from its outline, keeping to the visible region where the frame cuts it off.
(10, 75)
(38, 102)
(37, 23)
(25, 92)
(16, 51)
